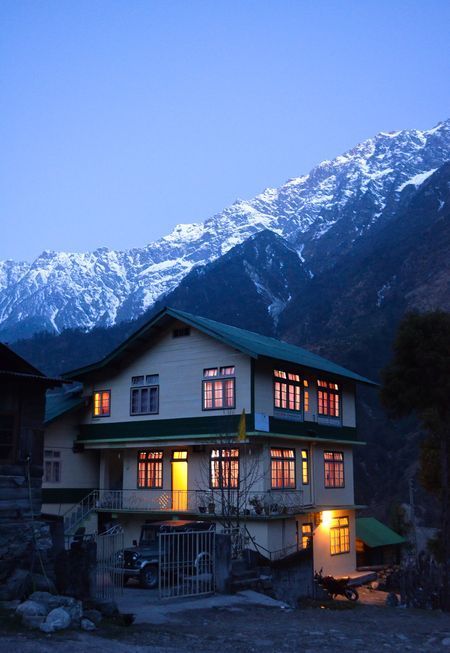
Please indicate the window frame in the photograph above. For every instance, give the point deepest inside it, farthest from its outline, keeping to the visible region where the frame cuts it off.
(101, 392)
(283, 459)
(216, 379)
(329, 391)
(343, 534)
(52, 459)
(222, 460)
(305, 465)
(144, 386)
(147, 462)
(334, 461)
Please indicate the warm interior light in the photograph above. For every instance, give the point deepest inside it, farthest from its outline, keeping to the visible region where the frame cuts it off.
(327, 518)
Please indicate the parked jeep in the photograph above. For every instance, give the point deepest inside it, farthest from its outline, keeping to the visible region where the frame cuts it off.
(185, 555)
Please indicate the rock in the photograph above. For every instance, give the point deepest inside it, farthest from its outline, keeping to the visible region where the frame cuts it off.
(32, 621)
(392, 600)
(446, 641)
(57, 619)
(93, 615)
(87, 624)
(53, 601)
(42, 597)
(32, 609)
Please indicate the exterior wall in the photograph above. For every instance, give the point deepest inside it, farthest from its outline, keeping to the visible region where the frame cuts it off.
(264, 402)
(332, 496)
(341, 564)
(180, 363)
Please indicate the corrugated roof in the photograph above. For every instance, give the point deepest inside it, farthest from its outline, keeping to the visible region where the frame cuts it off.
(249, 342)
(373, 533)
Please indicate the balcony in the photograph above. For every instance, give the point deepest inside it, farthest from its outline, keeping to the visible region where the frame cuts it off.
(221, 503)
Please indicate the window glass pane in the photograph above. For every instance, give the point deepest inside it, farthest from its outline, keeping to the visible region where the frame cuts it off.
(227, 371)
(137, 380)
(218, 395)
(152, 379)
(154, 395)
(212, 371)
(229, 393)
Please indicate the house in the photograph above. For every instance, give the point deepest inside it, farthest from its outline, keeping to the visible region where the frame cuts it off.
(193, 417)
(376, 543)
(22, 405)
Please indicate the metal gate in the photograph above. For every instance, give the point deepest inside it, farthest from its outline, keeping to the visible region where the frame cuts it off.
(109, 567)
(186, 563)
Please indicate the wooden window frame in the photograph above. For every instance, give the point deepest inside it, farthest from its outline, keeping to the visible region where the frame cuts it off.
(52, 459)
(298, 383)
(335, 463)
(305, 466)
(285, 468)
(328, 391)
(139, 388)
(222, 380)
(158, 473)
(340, 536)
(223, 462)
(101, 393)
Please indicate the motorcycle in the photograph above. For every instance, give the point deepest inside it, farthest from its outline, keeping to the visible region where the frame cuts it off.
(336, 586)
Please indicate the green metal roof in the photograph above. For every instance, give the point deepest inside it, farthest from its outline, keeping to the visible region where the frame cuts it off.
(373, 533)
(59, 403)
(248, 342)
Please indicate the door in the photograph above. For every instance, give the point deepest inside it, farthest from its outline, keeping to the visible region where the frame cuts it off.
(179, 480)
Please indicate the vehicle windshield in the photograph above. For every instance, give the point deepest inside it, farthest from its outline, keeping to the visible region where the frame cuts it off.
(148, 536)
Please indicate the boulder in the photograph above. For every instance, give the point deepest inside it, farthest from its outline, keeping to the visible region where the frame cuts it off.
(87, 624)
(32, 609)
(53, 601)
(32, 621)
(57, 619)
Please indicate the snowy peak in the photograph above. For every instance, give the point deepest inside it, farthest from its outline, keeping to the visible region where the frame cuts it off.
(320, 214)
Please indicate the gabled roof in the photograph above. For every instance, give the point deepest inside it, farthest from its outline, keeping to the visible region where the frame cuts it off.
(373, 533)
(63, 401)
(11, 364)
(248, 342)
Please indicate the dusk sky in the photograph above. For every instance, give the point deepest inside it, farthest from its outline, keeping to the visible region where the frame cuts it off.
(122, 119)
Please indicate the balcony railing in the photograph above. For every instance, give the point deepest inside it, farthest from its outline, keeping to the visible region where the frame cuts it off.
(216, 502)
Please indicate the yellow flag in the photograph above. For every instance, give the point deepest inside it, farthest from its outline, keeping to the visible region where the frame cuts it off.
(242, 434)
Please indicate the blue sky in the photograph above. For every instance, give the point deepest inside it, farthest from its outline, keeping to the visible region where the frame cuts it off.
(122, 119)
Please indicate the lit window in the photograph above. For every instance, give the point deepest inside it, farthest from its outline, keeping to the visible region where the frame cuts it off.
(179, 455)
(307, 532)
(144, 397)
(334, 469)
(218, 393)
(340, 536)
(305, 396)
(224, 468)
(305, 467)
(282, 466)
(287, 391)
(328, 398)
(150, 469)
(102, 403)
(52, 466)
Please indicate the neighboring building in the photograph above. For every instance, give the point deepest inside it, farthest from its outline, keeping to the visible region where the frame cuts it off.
(157, 429)
(22, 405)
(376, 543)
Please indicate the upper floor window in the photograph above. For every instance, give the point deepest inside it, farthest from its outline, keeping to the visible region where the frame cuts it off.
(288, 389)
(305, 467)
(52, 466)
(150, 469)
(225, 468)
(102, 403)
(334, 468)
(328, 399)
(339, 536)
(282, 467)
(219, 388)
(144, 397)
(181, 332)
(7, 437)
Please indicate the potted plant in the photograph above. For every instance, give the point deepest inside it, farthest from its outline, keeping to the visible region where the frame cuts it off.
(257, 504)
(211, 505)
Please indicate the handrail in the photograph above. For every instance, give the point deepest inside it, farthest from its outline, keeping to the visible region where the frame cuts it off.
(78, 513)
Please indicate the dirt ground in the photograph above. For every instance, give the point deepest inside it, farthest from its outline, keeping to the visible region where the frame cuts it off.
(325, 628)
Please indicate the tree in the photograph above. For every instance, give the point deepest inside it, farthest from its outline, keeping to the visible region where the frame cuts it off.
(417, 381)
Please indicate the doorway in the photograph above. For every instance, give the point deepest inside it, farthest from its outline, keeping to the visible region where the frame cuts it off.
(179, 480)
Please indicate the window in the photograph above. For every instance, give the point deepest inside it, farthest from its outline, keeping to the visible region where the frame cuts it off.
(287, 391)
(144, 398)
(52, 466)
(334, 468)
(305, 396)
(102, 403)
(339, 536)
(181, 332)
(225, 468)
(307, 534)
(150, 468)
(219, 391)
(282, 468)
(328, 397)
(7, 438)
(305, 467)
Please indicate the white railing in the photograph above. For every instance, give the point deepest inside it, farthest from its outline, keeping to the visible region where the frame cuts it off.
(75, 516)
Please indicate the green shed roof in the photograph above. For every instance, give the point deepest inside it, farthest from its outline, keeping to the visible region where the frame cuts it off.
(249, 342)
(373, 533)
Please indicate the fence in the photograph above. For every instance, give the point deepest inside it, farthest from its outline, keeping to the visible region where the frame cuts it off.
(186, 563)
(109, 567)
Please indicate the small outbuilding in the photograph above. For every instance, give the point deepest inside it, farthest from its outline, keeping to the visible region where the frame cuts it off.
(376, 543)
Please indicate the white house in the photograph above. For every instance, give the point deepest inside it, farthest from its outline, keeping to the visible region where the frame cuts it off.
(194, 418)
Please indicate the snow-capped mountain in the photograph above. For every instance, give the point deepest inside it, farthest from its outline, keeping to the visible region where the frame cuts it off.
(320, 214)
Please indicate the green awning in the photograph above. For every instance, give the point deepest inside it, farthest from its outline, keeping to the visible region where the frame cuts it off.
(373, 533)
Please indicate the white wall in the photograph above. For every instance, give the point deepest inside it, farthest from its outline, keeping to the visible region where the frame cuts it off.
(180, 363)
(332, 496)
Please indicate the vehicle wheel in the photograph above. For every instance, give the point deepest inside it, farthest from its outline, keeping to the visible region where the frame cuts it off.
(351, 594)
(149, 577)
